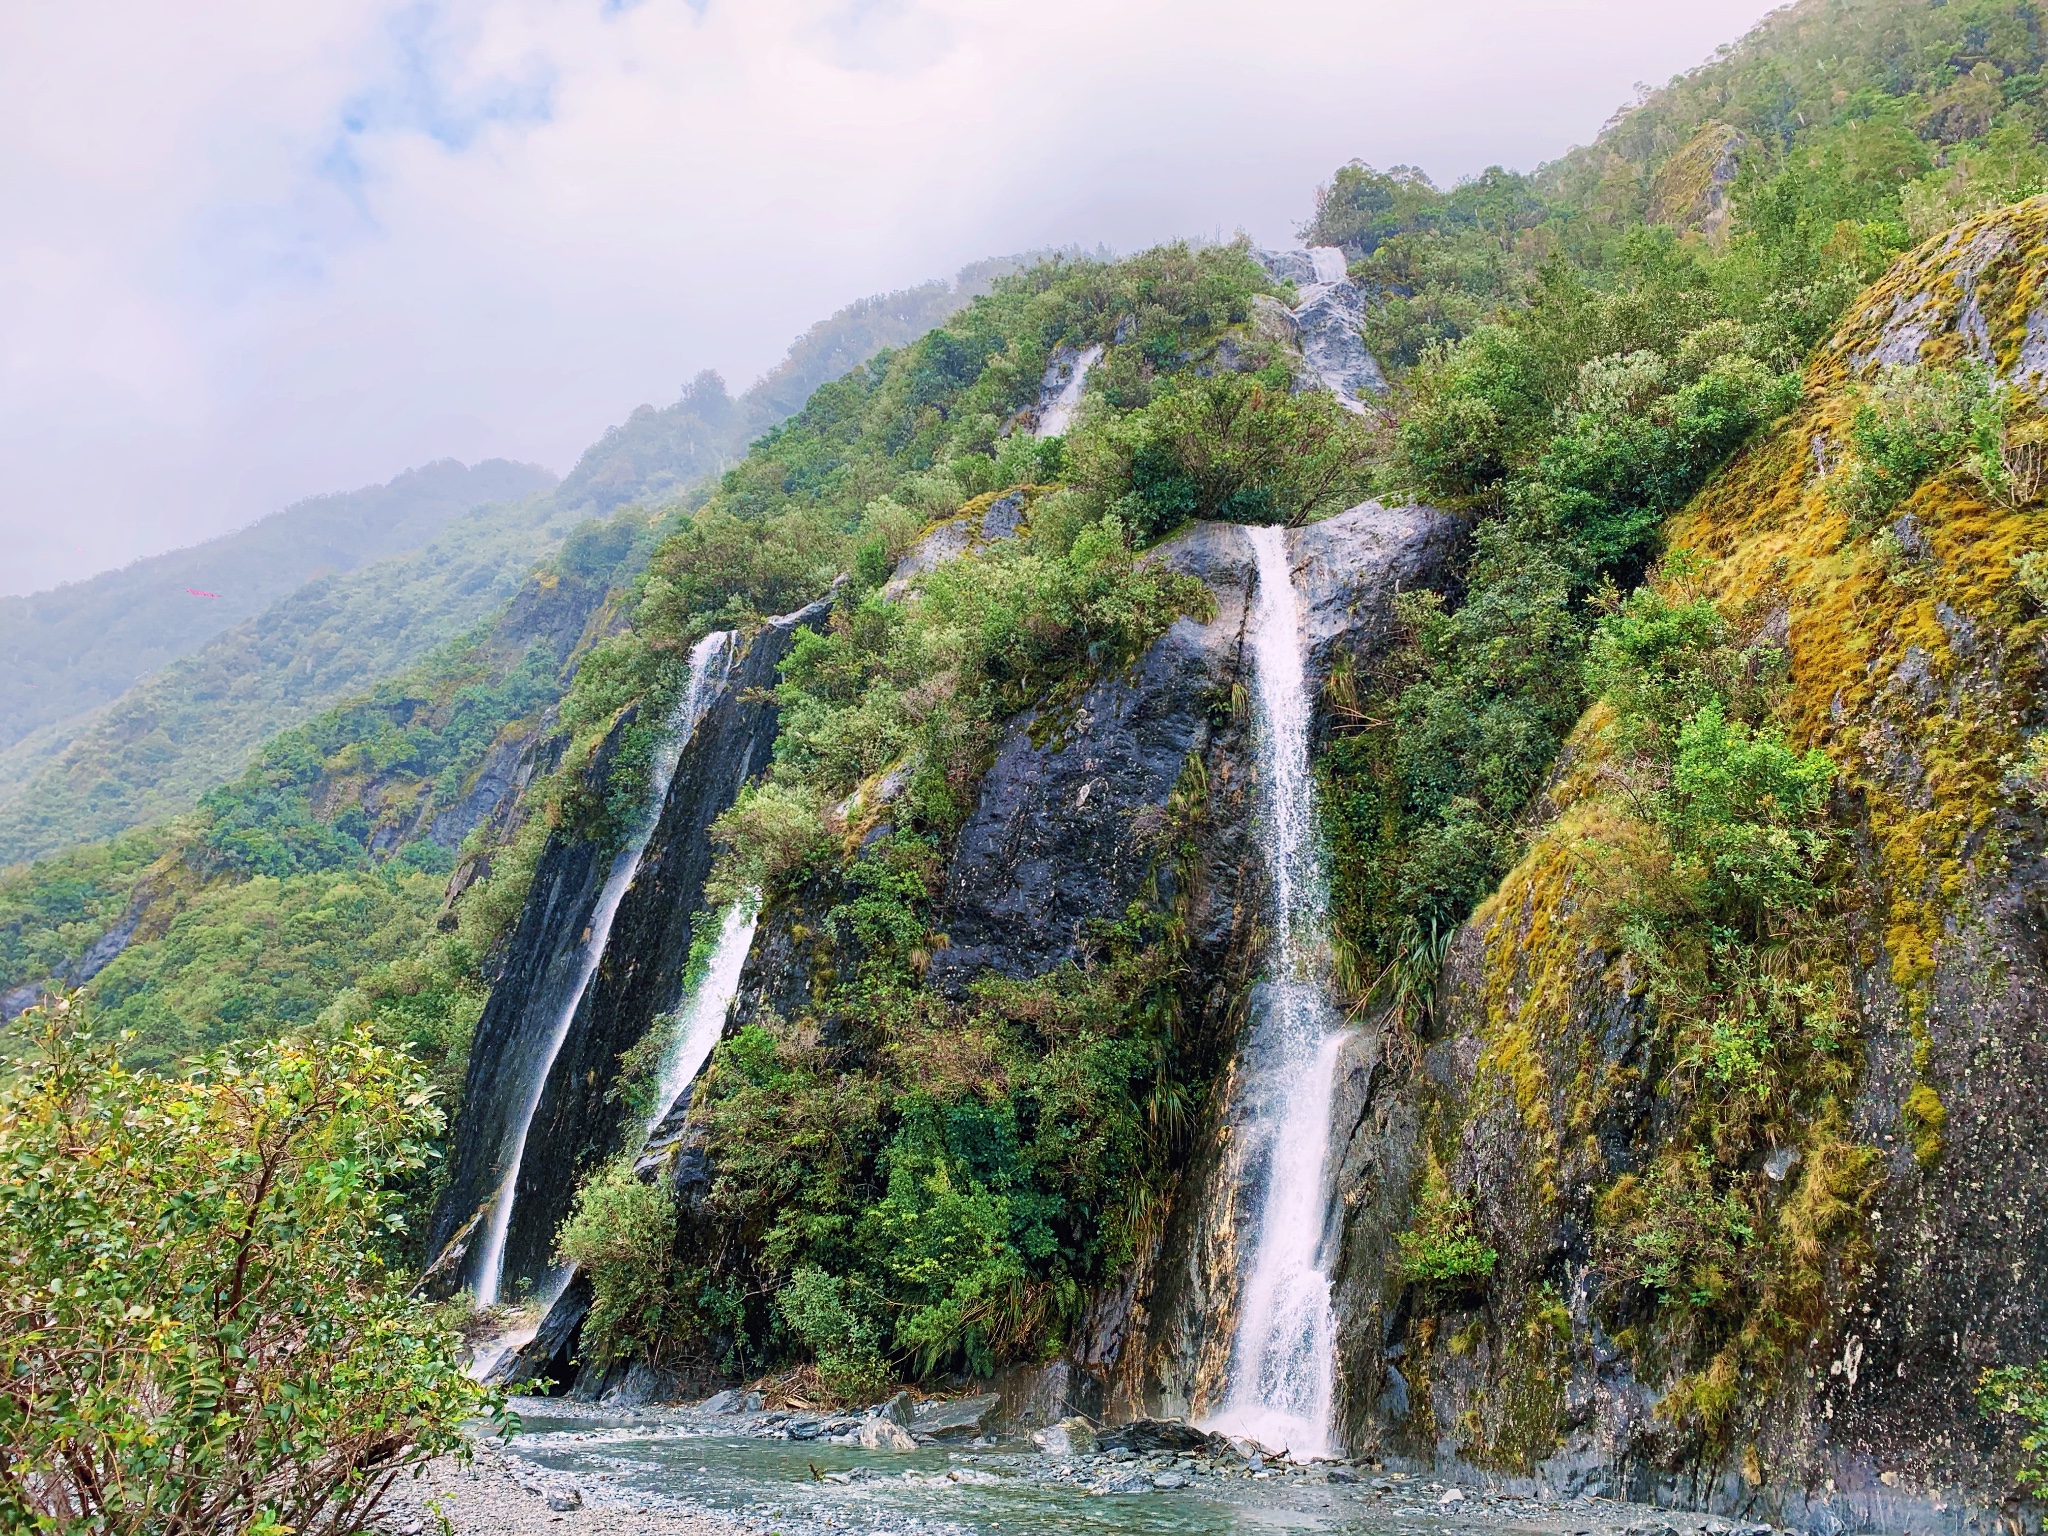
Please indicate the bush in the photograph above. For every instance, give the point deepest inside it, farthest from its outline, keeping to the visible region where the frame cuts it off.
(1242, 449)
(622, 1234)
(1915, 423)
(195, 1331)
(1442, 1253)
(2021, 1392)
(1741, 813)
(842, 1336)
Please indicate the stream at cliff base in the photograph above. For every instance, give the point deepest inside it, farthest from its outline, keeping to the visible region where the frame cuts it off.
(782, 1486)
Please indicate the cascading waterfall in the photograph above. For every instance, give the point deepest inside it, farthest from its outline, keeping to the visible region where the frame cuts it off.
(709, 661)
(1058, 417)
(1283, 1364)
(1330, 265)
(704, 1021)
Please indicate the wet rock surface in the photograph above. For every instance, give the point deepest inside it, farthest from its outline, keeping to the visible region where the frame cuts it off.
(641, 974)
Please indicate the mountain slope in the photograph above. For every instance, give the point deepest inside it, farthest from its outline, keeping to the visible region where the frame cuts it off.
(69, 650)
(197, 721)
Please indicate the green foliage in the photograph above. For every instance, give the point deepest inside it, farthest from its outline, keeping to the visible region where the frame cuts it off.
(921, 687)
(621, 1234)
(1441, 1252)
(825, 1315)
(1720, 877)
(2021, 1392)
(981, 1167)
(241, 960)
(1915, 423)
(53, 912)
(195, 1328)
(1741, 815)
(1232, 447)
(1572, 428)
(199, 721)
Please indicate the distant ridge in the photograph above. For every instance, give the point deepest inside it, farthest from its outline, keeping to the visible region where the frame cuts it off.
(77, 646)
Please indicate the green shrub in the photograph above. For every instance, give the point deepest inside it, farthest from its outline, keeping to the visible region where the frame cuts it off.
(1915, 423)
(1238, 448)
(621, 1233)
(195, 1329)
(2021, 1392)
(1742, 812)
(1442, 1253)
(842, 1337)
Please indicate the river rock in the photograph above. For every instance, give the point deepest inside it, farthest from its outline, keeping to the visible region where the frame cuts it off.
(562, 1500)
(1123, 1482)
(884, 1435)
(1069, 1437)
(963, 1418)
(728, 1401)
(1144, 1436)
(900, 1409)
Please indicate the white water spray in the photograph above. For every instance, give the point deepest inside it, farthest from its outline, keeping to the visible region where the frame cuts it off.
(1330, 264)
(1283, 1365)
(708, 663)
(705, 1020)
(1058, 417)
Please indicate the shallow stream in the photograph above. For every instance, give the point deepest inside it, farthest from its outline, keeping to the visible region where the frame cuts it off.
(797, 1488)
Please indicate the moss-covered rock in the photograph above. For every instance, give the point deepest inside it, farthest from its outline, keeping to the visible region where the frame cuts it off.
(1893, 1242)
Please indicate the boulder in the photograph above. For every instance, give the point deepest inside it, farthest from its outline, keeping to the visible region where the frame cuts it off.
(900, 1409)
(1144, 1436)
(883, 1435)
(963, 1418)
(1069, 1437)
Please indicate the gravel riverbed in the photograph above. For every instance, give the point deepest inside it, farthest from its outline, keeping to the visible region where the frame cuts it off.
(680, 1472)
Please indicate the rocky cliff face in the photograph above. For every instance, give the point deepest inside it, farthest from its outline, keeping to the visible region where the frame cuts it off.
(576, 1124)
(1915, 657)
(1062, 837)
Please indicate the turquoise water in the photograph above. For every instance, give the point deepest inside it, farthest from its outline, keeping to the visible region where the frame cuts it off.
(778, 1485)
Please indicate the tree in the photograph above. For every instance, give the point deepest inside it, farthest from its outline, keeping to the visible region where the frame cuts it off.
(196, 1331)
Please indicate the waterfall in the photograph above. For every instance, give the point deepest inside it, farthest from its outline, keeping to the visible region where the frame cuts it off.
(1330, 264)
(709, 660)
(704, 1021)
(1056, 417)
(1282, 1382)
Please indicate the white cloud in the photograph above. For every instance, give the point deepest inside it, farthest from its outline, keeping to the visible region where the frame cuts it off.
(251, 252)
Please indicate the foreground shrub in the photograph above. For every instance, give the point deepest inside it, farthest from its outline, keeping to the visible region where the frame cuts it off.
(196, 1332)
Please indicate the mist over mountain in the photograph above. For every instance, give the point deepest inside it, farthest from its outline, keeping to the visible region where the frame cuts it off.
(81, 644)
(344, 623)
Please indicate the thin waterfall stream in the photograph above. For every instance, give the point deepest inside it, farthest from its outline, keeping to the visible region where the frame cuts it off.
(709, 662)
(1282, 1381)
(704, 1020)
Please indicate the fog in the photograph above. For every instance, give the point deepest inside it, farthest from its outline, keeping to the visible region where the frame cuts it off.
(253, 252)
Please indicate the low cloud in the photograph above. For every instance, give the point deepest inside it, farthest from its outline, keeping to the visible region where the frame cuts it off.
(254, 252)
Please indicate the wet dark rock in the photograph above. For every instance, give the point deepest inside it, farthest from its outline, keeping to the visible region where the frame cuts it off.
(1144, 1436)
(900, 1409)
(640, 976)
(962, 1418)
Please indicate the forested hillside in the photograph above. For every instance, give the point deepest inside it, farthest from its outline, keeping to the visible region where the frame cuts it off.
(199, 720)
(1512, 739)
(69, 650)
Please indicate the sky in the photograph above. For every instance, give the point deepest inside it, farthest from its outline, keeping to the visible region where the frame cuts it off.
(251, 252)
